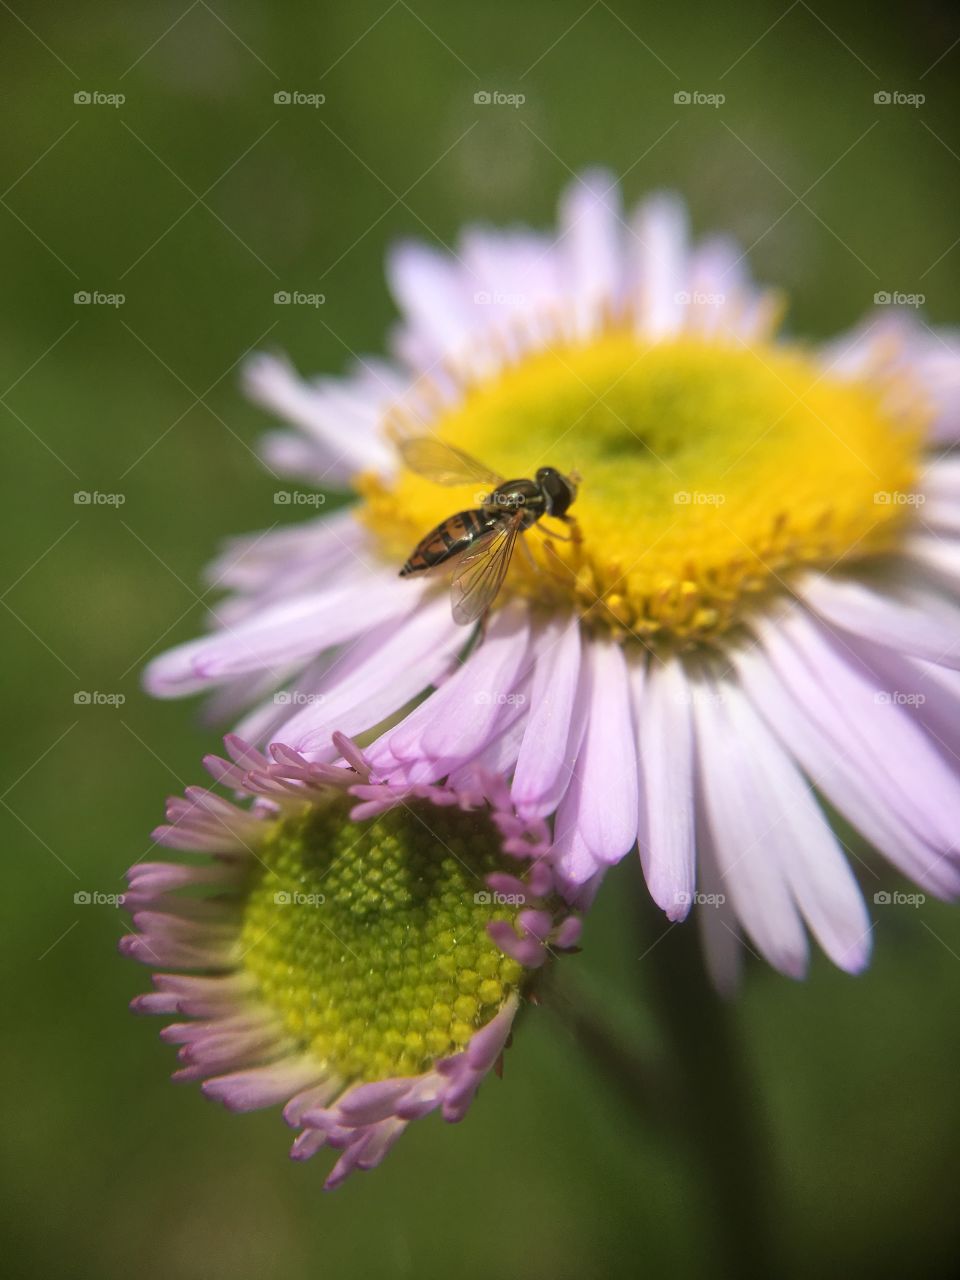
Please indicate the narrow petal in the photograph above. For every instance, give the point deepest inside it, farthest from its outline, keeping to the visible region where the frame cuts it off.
(667, 844)
(812, 725)
(924, 789)
(799, 837)
(606, 769)
(914, 620)
(744, 816)
(547, 751)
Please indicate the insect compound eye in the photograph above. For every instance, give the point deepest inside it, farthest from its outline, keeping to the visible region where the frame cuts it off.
(557, 490)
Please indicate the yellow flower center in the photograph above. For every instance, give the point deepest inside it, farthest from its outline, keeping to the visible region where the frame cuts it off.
(709, 471)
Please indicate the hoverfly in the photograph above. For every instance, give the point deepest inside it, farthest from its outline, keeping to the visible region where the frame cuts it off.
(480, 542)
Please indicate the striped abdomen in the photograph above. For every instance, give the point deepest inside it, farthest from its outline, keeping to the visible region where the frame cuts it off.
(456, 535)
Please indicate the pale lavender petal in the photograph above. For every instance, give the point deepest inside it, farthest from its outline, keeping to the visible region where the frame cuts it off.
(743, 816)
(546, 751)
(660, 244)
(457, 720)
(799, 837)
(429, 288)
(815, 729)
(667, 841)
(913, 620)
(924, 789)
(376, 677)
(296, 628)
(344, 447)
(589, 244)
(264, 1086)
(607, 764)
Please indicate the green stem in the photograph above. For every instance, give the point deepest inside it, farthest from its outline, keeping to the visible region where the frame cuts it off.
(700, 1091)
(638, 1079)
(720, 1112)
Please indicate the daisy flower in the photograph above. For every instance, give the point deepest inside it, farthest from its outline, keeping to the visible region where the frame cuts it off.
(356, 953)
(759, 617)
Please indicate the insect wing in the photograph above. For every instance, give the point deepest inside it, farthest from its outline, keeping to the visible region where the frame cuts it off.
(443, 463)
(481, 571)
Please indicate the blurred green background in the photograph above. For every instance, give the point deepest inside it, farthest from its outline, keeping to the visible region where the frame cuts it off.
(197, 199)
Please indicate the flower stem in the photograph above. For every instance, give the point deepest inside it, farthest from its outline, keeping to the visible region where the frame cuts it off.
(697, 1090)
(719, 1109)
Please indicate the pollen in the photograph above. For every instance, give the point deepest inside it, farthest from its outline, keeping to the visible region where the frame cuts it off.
(710, 472)
(369, 940)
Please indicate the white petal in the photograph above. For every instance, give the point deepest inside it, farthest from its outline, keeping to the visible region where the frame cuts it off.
(667, 844)
(547, 751)
(913, 620)
(743, 817)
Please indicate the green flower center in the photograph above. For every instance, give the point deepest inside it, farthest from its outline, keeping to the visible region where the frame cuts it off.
(369, 939)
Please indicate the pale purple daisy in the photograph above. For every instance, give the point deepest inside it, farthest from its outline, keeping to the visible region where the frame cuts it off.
(760, 614)
(354, 952)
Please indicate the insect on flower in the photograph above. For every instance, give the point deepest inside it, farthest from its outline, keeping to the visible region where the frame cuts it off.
(479, 543)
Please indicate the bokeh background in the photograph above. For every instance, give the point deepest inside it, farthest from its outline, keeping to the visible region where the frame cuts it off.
(197, 199)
